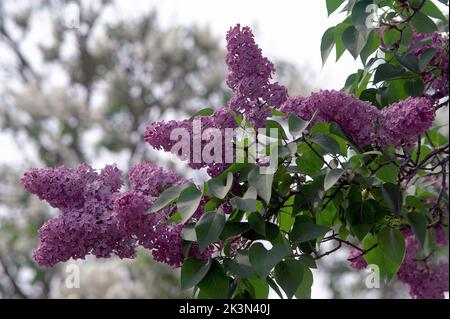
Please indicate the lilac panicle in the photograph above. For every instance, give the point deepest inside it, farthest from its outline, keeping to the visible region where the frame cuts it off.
(405, 120)
(95, 218)
(249, 75)
(398, 123)
(86, 224)
(426, 280)
(357, 260)
(158, 135)
(152, 179)
(439, 82)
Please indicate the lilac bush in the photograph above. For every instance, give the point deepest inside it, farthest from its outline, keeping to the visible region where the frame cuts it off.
(362, 167)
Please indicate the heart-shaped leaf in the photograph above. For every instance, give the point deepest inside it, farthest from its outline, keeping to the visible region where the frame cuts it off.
(332, 177)
(188, 202)
(193, 271)
(289, 275)
(209, 228)
(263, 260)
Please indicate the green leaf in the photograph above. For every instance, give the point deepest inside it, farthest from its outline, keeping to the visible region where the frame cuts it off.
(304, 290)
(271, 124)
(308, 261)
(326, 45)
(203, 112)
(168, 196)
(430, 9)
(209, 228)
(392, 244)
(211, 205)
(414, 87)
(392, 195)
(296, 125)
(240, 266)
(257, 223)
(302, 232)
(373, 44)
(369, 95)
(246, 203)
(353, 40)
(360, 13)
(264, 260)
(411, 62)
(286, 221)
(418, 224)
(388, 173)
(338, 31)
(262, 183)
(309, 163)
(276, 112)
(218, 187)
(174, 218)
(407, 35)
(387, 71)
(232, 229)
(188, 202)
(332, 177)
(375, 256)
(426, 57)
(188, 233)
(327, 143)
(274, 287)
(391, 36)
(437, 138)
(394, 93)
(261, 288)
(422, 23)
(289, 275)
(193, 271)
(215, 284)
(333, 5)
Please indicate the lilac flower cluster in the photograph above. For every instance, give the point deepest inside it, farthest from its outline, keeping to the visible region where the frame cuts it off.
(158, 135)
(249, 75)
(398, 123)
(97, 219)
(403, 121)
(356, 259)
(426, 280)
(86, 224)
(151, 179)
(356, 118)
(439, 62)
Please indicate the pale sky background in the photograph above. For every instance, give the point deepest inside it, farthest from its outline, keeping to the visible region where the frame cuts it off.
(285, 29)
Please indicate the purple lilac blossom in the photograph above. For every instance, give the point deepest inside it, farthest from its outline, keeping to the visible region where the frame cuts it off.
(439, 83)
(158, 135)
(249, 75)
(425, 279)
(405, 120)
(97, 219)
(86, 224)
(356, 259)
(152, 179)
(153, 231)
(398, 123)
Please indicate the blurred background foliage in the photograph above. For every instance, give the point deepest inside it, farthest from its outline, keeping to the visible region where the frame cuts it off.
(71, 95)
